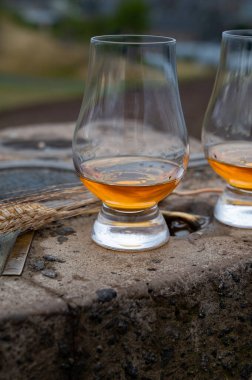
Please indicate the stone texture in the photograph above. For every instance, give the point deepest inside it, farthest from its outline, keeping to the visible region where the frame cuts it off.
(182, 311)
(20, 297)
(33, 323)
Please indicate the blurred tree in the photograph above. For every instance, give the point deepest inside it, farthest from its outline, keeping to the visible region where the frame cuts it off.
(131, 16)
(80, 28)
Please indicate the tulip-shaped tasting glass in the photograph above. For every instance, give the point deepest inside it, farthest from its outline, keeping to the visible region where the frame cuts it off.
(227, 129)
(130, 144)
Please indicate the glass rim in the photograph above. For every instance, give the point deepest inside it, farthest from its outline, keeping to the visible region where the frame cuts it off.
(128, 39)
(238, 33)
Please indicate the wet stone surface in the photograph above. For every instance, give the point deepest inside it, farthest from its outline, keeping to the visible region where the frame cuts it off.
(26, 179)
(37, 144)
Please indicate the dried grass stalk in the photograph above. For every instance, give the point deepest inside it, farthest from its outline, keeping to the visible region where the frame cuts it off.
(24, 216)
(49, 193)
(33, 216)
(39, 208)
(183, 193)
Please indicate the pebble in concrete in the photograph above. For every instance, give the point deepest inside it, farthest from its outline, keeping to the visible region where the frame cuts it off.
(65, 231)
(106, 295)
(52, 258)
(49, 273)
(38, 265)
(62, 239)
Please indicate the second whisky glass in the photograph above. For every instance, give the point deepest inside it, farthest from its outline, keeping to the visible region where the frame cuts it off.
(227, 129)
(130, 144)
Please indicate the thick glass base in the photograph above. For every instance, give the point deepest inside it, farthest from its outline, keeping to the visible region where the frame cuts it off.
(234, 208)
(130, 230)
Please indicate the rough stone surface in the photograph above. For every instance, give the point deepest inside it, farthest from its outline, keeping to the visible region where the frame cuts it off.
(182, 311)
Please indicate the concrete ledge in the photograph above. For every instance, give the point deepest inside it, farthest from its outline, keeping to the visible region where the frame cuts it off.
(182, 311)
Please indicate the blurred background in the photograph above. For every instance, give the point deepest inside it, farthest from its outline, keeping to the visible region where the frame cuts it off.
(44, 50)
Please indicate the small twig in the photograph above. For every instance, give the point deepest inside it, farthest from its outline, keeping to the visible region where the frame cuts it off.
(192, 219)
(183, 193)
(51, 193)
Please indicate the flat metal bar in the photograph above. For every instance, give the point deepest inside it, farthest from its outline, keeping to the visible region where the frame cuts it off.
(16, 260)
(7, 242)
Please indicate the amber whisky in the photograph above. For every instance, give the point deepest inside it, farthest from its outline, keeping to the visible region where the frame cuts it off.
(233, 162)
(130, 183)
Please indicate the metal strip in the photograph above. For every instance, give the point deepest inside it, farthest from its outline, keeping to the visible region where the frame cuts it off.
(16, 261)
(7, 242)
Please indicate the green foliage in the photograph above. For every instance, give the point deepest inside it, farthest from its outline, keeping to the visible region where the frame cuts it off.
(241, 26)
(79, 28)
(131, 16)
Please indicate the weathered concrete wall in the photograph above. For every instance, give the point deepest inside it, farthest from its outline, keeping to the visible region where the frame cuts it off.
(182, 311)
(169, 332)
(184, 329)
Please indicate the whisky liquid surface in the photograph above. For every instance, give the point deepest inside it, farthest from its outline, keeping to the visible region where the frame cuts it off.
(130, 183)
(233, 162)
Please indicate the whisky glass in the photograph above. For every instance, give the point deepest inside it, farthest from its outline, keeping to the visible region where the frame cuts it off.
(130, 144)
(227, 129)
